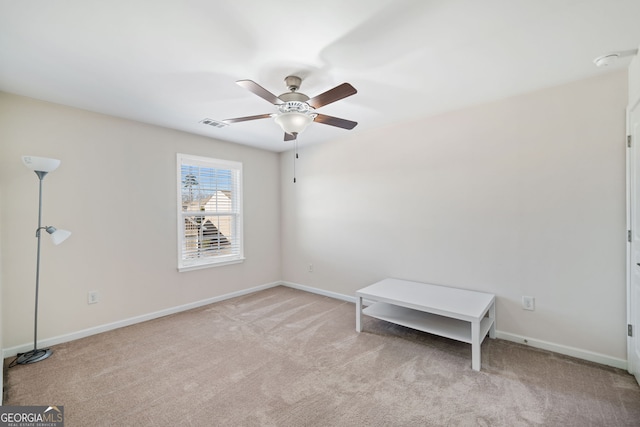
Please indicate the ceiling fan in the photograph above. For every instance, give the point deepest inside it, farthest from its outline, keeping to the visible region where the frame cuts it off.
(295, 109)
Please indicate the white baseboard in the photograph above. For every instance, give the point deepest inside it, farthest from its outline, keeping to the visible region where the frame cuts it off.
(544, 345)
(578, 353)
(9, 352)
(312, 290)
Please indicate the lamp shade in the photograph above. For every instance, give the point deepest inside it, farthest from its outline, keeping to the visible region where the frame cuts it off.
(40, 164)
(293, 122)
(58, 236)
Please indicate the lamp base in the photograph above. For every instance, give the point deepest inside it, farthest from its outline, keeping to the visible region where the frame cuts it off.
(33, 356)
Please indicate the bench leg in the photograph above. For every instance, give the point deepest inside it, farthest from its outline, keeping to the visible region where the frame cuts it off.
(475, 346)
(358, 314)
(492, 315)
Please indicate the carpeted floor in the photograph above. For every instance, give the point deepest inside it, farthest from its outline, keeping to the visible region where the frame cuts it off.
(283, 357)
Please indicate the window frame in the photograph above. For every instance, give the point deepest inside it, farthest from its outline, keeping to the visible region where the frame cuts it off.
(185, 264)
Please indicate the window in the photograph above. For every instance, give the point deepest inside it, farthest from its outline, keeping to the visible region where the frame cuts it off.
(209, 212)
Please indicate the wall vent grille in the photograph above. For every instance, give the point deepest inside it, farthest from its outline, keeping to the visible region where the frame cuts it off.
(214, 123)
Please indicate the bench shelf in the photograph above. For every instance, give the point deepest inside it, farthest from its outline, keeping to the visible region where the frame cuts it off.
(447, 327)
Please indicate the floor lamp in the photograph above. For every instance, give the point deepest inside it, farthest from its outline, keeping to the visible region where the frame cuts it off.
(41, 166)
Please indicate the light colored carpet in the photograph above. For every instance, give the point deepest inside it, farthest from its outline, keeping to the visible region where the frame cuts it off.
(283, 357)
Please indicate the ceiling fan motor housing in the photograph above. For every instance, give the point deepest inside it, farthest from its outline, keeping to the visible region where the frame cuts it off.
(294, 96)
(296, 107)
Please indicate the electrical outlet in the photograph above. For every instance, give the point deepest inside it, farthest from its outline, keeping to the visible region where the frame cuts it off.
(93, 297)
(310, 268)
(528, 303)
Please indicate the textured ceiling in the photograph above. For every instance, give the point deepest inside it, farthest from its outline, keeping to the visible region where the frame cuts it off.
(174, 63)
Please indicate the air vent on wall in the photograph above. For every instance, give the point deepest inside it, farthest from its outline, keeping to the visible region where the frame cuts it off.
(214, 123)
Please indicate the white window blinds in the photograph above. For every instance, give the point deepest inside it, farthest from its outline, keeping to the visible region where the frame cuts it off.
(209, 212)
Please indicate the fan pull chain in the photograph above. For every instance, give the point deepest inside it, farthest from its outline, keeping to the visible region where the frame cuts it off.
(295, 156)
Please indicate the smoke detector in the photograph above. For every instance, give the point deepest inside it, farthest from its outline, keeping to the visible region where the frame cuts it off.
(612, 57)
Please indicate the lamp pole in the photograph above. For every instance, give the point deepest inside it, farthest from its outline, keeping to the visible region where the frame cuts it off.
(36, 354)
(48, 352)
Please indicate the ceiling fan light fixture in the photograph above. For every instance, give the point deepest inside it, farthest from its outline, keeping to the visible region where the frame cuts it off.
(293, 122)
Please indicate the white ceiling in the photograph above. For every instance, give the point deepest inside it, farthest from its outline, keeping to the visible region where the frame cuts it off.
(174, 62)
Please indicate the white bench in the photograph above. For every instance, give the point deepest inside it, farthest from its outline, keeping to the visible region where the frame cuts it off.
(458, 314)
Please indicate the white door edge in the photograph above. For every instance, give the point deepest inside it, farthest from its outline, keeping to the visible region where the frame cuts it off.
(633, 362)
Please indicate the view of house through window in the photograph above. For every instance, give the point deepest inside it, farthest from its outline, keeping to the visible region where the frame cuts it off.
(209, 212)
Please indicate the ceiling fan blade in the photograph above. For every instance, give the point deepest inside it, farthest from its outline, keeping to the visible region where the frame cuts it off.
(244, 119)
(335, 121)
(290, 136)
(254, 87)
(332, 95)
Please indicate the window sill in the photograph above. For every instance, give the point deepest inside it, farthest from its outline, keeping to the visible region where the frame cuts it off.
(215, 264)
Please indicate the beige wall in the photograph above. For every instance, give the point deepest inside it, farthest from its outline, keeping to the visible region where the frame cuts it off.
(524, 196)
(116, 191)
